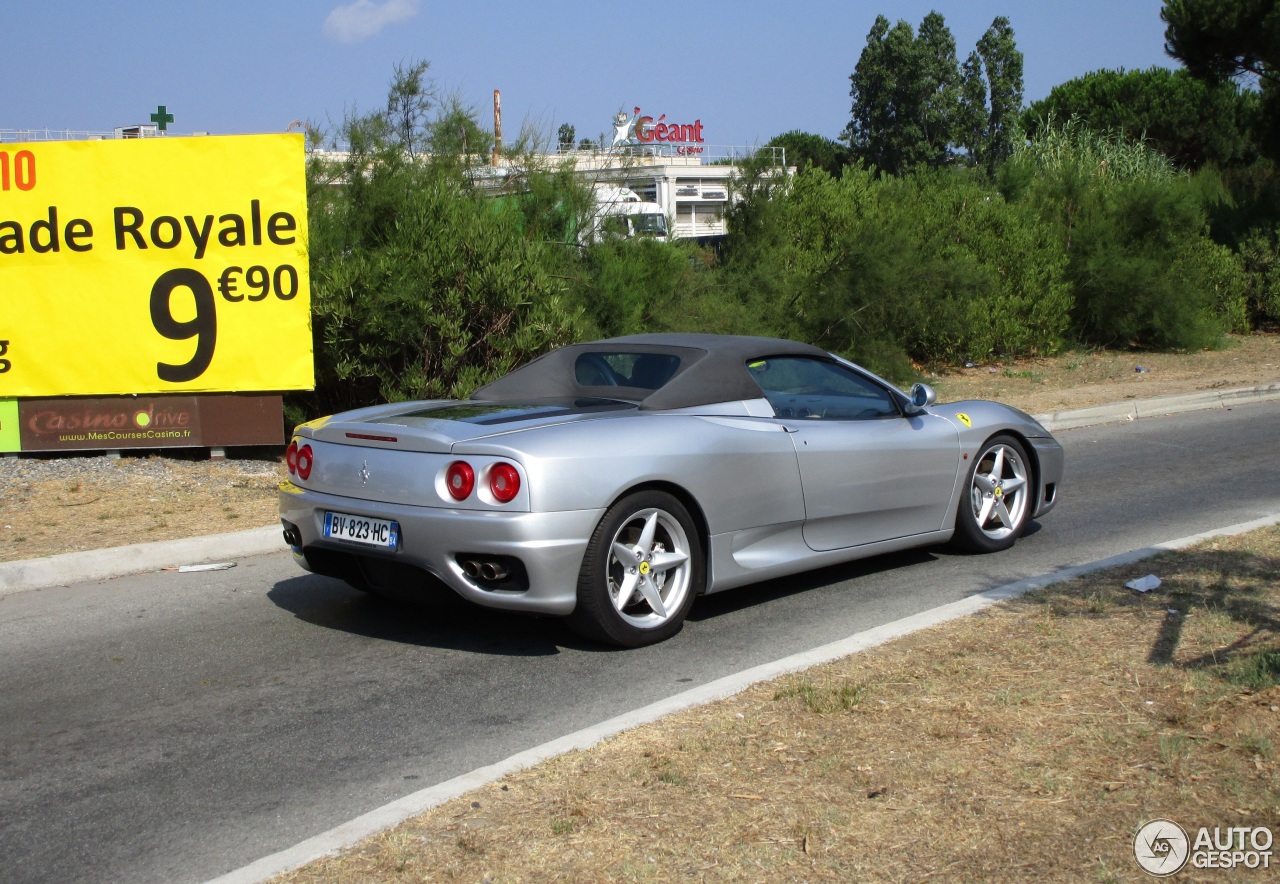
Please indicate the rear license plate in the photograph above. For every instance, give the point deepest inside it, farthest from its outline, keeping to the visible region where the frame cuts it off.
(362, 529)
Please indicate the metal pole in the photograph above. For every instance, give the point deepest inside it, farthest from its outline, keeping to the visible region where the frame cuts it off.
(497, 125)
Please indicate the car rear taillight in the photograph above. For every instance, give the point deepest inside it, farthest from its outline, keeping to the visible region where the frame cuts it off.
(504, 482)
(305, 459)
(460, 479)
(291, 458)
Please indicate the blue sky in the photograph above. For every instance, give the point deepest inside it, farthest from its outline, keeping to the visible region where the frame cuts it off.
(748, 70)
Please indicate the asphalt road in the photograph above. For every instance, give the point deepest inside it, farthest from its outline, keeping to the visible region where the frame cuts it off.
(173, 727)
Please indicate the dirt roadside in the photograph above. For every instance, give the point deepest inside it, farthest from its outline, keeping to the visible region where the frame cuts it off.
(57, 505)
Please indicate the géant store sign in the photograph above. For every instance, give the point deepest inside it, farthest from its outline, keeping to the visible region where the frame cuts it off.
(641, 129)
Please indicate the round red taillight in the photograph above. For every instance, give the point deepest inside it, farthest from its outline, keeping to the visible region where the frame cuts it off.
(291, 458)
(460, 479)
(305, 460)
(504, 482)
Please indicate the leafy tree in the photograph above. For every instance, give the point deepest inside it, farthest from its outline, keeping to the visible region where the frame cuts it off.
(973, 116)
(565, 136)
(806, 149)
(410, 97)
(991, 98)
(1003, 64)
(873, 88)
(1192, 122)
(906, 93)
(1221, 39)
(455, 135)
(938, 86)
(913, 106)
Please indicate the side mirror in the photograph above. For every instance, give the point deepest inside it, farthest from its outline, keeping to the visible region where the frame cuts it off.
(922, 396)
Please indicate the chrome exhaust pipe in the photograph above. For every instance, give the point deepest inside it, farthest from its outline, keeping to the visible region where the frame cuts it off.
(492, 571)
(471, 568)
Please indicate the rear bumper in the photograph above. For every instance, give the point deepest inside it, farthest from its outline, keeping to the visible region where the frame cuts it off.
(548, 546)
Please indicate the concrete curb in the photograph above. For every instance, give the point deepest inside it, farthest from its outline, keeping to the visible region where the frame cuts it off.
(103, 564)
(120, 561)
(1160, 405)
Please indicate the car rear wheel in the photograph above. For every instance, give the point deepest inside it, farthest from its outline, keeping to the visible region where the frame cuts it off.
(997, 500)
(643, 568)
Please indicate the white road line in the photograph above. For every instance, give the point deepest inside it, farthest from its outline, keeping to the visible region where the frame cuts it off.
(397, 811)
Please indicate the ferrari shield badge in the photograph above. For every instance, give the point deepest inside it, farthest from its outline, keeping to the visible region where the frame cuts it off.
(964, 419)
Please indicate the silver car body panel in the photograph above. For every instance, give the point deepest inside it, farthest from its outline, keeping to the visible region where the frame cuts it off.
(772, 496)
(870, 481)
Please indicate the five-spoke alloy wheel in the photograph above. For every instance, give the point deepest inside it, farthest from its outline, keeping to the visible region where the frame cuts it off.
(643, 568)
(998, 497)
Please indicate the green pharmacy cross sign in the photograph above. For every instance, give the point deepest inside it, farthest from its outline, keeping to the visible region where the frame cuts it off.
(162, 118)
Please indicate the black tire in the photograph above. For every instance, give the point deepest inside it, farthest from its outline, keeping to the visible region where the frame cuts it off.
(997, 498)
(660, 575)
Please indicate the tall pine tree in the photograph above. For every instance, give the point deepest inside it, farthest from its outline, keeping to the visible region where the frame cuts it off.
(906, 95)
(913, 105)
(1223, 39)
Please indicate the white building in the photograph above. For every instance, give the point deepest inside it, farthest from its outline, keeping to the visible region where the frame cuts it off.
(693, 193)
(669, 164)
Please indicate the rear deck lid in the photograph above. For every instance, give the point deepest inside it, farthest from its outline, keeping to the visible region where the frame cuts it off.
(438, 425)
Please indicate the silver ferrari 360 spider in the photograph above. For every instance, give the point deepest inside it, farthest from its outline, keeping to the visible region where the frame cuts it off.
(613, 482)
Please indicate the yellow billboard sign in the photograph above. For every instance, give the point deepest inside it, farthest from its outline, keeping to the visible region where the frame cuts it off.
(154, 265)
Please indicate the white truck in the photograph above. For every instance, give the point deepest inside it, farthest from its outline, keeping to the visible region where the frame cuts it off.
(621, 213)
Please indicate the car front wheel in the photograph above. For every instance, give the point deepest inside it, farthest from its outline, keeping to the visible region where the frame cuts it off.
(643, 568)
(997, 500)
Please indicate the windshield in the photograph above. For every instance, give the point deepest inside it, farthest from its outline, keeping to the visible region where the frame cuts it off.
(652, 224)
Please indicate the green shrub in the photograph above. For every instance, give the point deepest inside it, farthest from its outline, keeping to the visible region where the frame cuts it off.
(1017, 300)
(1141, 269)
(1260, 257)
(426, 282)
(631, 286)
(1132, 264)
(934, 267)
(1221, 272)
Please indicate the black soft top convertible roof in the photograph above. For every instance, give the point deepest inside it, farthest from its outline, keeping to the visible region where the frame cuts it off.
(713, 368)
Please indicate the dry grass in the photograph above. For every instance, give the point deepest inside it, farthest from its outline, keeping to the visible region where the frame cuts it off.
(1027, 742)
(1079, 379)
(135, 500)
